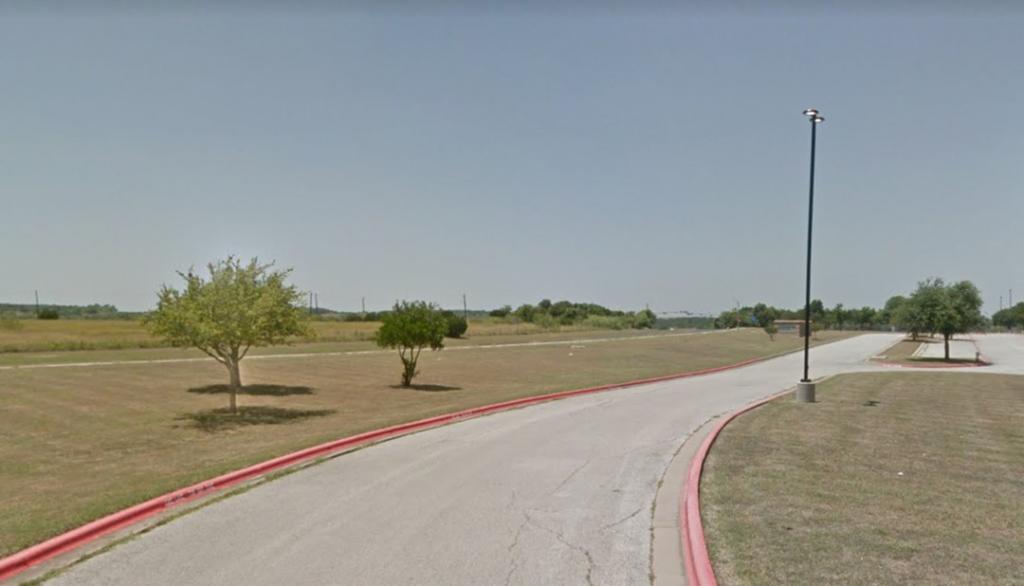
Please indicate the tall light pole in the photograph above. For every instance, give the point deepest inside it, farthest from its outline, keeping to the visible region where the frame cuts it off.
(805, 388)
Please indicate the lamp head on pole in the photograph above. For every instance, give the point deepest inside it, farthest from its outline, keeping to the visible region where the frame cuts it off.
(814, 115)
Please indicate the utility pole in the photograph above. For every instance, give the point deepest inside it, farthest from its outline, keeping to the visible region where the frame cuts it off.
(465, 311)
(37, 301)
(1000, 303)
(1011, 297)
(310, 303)
(364, 306)
(316, 303)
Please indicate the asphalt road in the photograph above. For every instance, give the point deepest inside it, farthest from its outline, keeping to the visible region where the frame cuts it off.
(559, 493)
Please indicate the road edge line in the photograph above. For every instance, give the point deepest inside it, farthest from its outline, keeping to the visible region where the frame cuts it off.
(697, 561)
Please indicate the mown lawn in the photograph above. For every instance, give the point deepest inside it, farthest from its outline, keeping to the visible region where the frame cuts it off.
(80, 442)
(891, 478)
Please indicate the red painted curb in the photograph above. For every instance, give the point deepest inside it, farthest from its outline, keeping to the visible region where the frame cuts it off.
(981, 364)
(26, 558)
(982, 361)
(699, 571)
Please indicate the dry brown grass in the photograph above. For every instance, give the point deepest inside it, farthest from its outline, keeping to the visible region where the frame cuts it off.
(32, 335)
(902, 352)
(894, 478)
(76, 443)
(482, 337)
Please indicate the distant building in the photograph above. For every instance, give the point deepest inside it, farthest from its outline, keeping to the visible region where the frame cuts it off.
(791, 326)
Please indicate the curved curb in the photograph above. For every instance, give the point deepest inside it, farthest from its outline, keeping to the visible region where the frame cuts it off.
(939, 365)
(699, 571)
(981, 360)
(36, 554)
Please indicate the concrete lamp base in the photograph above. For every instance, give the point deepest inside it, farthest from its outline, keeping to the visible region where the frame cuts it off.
(805, 392)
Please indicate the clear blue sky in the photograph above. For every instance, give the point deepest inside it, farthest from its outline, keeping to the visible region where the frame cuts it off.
(623, 157)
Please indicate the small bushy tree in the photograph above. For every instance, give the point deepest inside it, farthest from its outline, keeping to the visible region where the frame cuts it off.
(240, 306)
(525, 312)
(961, 312)
(644, 319)
(935, 307)
(838, 316)
(457, 324)
(410, 327)
(910, 318)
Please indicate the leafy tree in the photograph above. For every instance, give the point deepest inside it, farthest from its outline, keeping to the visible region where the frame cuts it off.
(818, 312)
(838, 316)
(961, 312)
(865, 317)
(910, 318)
(771, 329)
(48, 313)
(457, 324)
(411, 327)
(644, 319)
(930, 300)
(544, 305)
(525, 312)
(888, 314)
(240, 306)
(764, 315)
(944, 309)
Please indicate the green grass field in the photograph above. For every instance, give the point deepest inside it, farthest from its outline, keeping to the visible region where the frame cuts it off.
(80, 442)
(891, 478)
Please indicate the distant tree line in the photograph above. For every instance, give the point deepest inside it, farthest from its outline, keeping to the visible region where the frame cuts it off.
(935, 307)
(1011, 318)
(838, 317)
(50, 311)
(567, 313)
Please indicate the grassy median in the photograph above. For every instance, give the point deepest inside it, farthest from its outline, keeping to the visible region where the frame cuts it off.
(79, 442)
(891, 478)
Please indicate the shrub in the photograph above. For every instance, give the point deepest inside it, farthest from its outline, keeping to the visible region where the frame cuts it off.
(502, 311)
(457, 325)
(545, 321)
(602, 322)
(48, 314)
(526, 312)
(644, 319)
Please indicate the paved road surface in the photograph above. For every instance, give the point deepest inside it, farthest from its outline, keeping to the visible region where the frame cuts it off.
(559, 493)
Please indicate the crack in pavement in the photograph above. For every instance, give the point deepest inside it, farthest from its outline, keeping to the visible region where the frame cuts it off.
(572, 475)
(623, 520)
(561, 539)
(513, 558)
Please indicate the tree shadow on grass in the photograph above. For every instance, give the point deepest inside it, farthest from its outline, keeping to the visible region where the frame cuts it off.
(428, 388)
(274, 390)
(223, 419)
